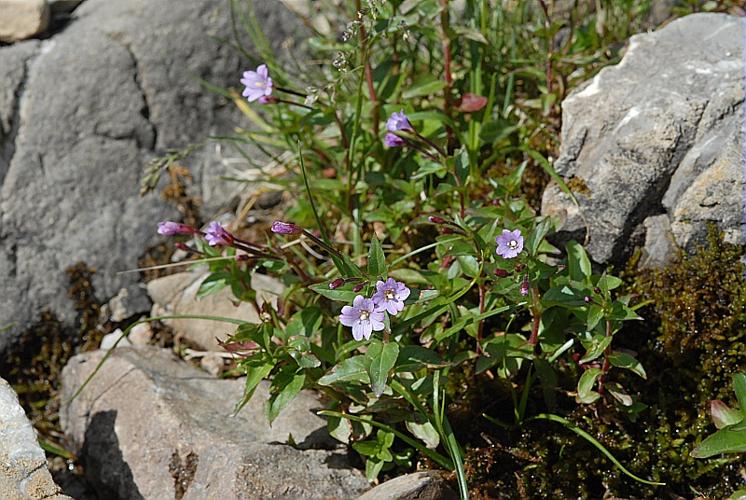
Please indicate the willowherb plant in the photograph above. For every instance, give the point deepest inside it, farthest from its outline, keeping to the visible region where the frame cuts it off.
(423, 261)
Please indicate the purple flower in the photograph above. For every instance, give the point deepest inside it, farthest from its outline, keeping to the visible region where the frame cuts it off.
(524, 286)
(280, 227)
(509, 244)
(168, 228)
(399, 121)
(258, 83)
(215, 234)
(393, 141)
(363, 317)
(390, 296)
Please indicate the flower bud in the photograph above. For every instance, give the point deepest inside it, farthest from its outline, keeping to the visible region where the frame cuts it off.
(524, 286)
(359, 287)
(447, 230)
(587, 299)
(501, 273)
(436, 220)
(334, 284)
(169, 228)
(597, 290)
(280, 227)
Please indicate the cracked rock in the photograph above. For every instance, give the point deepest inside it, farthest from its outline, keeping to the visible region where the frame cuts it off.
(81, 114)
(659, 134)
(152, 426)
(23, 465)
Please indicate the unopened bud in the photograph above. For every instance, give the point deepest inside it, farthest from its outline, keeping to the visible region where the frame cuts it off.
(336, 283)
(501, 273)
(524, 286)
(587, 299)
(242, 257)
(597, 290)
(359, 287)
(436, 220)
(447, 230)
(280, 227)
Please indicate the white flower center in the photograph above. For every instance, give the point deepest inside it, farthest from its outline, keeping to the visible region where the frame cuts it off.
(512, 244)
(259, 85)
(364, 315)
(389, 295)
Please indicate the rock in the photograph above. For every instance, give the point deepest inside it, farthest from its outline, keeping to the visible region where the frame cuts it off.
(428, 485)
(22, 19)
(151, 426)
(141, 334)
(108, 341)
(81, 114)
(127, 303)
(23, 465)
(212, 363)
(177, 294)
(659, 134)
(63, 6)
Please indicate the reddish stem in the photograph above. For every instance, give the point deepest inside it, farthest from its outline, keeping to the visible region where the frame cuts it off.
(368, 70)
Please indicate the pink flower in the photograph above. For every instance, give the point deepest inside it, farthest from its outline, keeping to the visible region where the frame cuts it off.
(398, 121)
(390, 296)
(169, 228)
(258, 84)
(363, 317)
(393, 141)
(215, 234)
(509, 244)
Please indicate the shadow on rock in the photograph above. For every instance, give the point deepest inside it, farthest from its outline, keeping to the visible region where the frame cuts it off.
(105, 467)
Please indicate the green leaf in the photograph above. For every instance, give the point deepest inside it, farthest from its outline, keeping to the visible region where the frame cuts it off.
(562, 297)
(368, 448)
(595, 349)
(739, 386)
(213, 284)
(376, 260)
(373, 467)
(380, 359)
(340, 429)
(534, 239)
(578, 264)
(608, 283)
(425, 86)
(289, 386)
(730, 439)
(425, 432)
(469, 265)
(341, 294)
(586, 394)
(624, 360)
(352, 369)
(254, 375)
(595, 314)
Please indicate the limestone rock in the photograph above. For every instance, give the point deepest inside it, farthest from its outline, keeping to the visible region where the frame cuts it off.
(22, 19)
(23, 465)
(659, 134)
(81, 114)
(177, 294)
(151, 426)
(428, 485)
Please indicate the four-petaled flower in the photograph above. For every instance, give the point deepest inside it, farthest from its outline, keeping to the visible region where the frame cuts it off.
(215, 234)
(509, 243)
(393, 141)
(258, 84)
(169, 228)
(390, 296)
(363, 317)
(399, 121)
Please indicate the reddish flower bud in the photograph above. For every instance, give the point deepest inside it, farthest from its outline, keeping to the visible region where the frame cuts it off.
(447, 230)
(471, 102)
(336, 283)
(587, 299)
(436, 220)
(359, 286)
(501, 273)
(597, 290)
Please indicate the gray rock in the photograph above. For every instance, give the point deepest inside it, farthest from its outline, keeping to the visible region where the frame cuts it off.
(428, 485)
(177, 294)
(149, 425)
(22, 19)
(23, 465)
(80, 116)
(657, 134)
